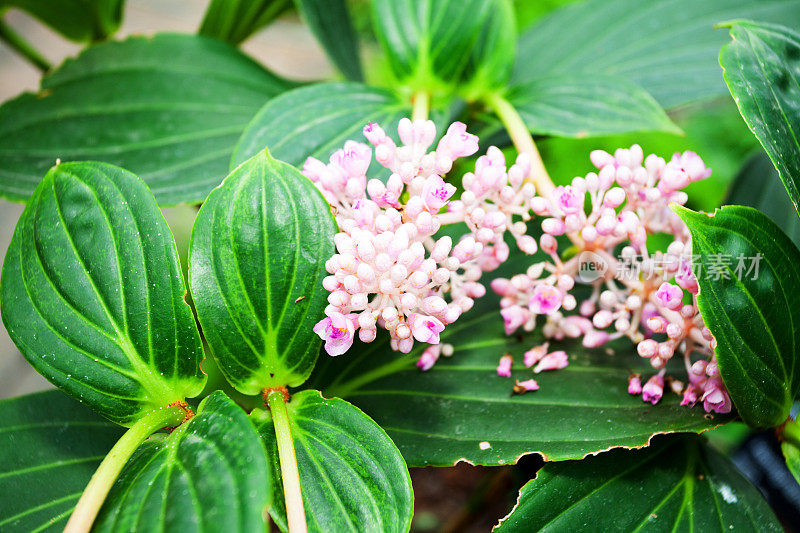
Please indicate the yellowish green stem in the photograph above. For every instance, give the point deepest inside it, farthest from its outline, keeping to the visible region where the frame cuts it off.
(96, 491)
(295, 512)
(523, 141)
(421, 104)
(791, 433)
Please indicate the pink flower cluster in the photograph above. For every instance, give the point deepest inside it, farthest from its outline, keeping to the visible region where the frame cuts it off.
(647, 297)
(390, 271)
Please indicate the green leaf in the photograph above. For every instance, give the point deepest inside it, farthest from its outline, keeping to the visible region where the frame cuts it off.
(77, 20)
(256, 264)
(330, 22)
(50, 445)
(315, 121)
(754, 315)
(234, 21)
(491, 61)
(352, 476)
(669, 48)
(443, 415)
(676, 484)
(762, 68)
(92, 293)
(210, 474)
(583, 106)
(427, 39)
(757, 185)
(173, 122)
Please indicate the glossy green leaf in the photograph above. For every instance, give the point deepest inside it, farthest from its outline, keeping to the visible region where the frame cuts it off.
(429, 39)
(762, 68)
(669, 48)
(257, 260)
(234, 21)
(754, 314)
(676, 484)
(315, 121)
(330, 22)
(209, 474)
(757, 185)
(172, 121)
(92, 293)
(352, 476)
(461, 409)
(582, 106)
(491, 61)
(50, 445)
(77, 20)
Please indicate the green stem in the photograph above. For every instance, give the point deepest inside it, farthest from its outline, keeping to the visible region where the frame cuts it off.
(96, 491)
(295, 512)
(791, 433)
(15, 41)
(523, 141)
(421, 103)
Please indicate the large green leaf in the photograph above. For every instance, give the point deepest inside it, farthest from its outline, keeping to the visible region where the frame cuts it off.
(78, 20)
(667, 47)
(352, 476)
(443, 415)
(49, 447)
(210, 474)
(582, 106)
(92, 293)
(429, 39)
(754, 314)
(234, 21)
(169, 108)
(491, 61)
(257, 260)
(762, 68)
(317, 120)
(330, 21)
(757, 185)
(677, 484)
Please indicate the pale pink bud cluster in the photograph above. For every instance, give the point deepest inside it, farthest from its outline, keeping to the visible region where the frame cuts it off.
(389, 270)
(607, 215)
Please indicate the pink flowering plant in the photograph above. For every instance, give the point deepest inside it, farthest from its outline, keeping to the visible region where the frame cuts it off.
(471, 257)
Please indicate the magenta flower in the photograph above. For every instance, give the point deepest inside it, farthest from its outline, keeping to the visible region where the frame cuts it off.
(634, 384)
(568, 199)
(546, 300)
(436, 193)
(528, 385)
(337, 331)
(514, 317)
(535, 354)
(425, 328)
(669, 295)
(504, 366)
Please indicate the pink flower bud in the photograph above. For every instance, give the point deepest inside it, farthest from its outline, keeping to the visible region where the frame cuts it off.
(457, 141)
(601, 158)
(514, 317)
(374, 133)
(535, 354)
(634, 384)
(553, 226)
(595, 338)
(504, 366)
(614, 198)
(521, 387)
(428, 358)
(653, 389)
(689, 396)
(552, 361)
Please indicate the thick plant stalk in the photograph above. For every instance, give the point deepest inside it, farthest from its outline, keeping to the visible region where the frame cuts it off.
(96, 491)
(295, 512)
(421, 103)
(523, 141)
